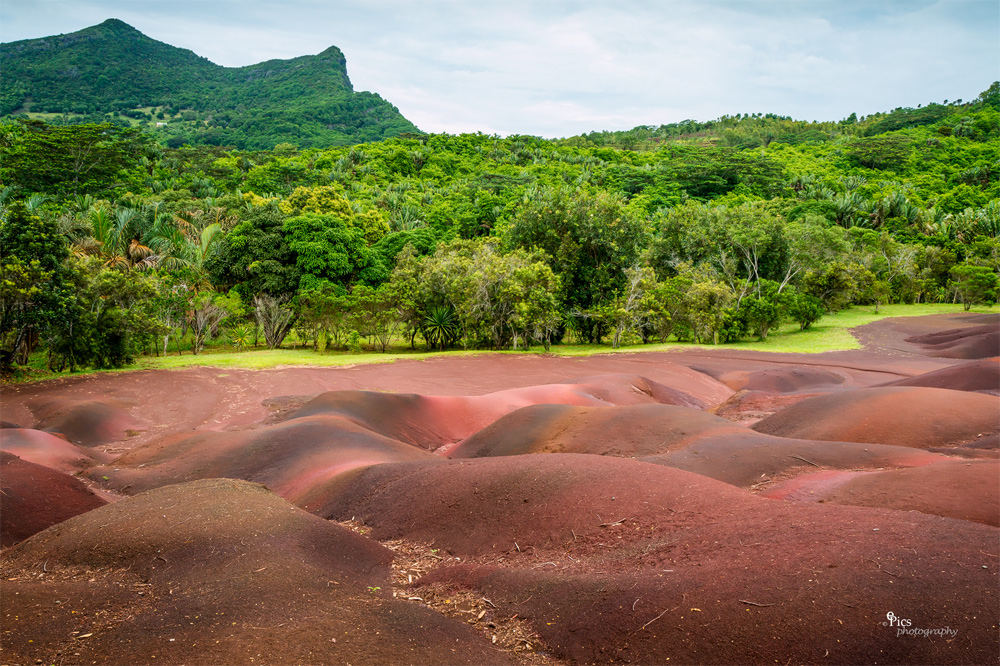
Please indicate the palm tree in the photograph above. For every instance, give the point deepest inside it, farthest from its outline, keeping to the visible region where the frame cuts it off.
(440, 327)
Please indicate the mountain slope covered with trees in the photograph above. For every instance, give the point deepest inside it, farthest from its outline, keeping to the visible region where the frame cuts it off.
(112, 72)
(114, 245)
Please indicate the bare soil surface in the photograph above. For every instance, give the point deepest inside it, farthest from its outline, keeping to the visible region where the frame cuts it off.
(914, 416)
(519, 509)
(34, 497)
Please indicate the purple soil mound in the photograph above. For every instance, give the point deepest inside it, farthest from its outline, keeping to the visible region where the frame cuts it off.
(972, 342)
(628, 431)
(291, 458)
(981, 375)
(485, 505)
(431, 422)
(33, 497)
(46, 449)
(904, 416)
(211, 572)
(85, 422)
(963, 490)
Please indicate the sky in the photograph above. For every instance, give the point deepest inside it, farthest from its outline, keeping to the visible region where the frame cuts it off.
(554, 69)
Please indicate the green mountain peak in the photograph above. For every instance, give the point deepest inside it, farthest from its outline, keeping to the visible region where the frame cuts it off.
(112, 68)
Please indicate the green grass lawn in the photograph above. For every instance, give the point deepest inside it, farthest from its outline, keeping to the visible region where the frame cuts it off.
(831, 333)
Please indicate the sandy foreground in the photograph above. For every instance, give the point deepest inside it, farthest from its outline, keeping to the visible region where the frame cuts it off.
(684, 507)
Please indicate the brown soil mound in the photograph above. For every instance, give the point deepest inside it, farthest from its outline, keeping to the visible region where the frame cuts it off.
(85, 422)
(755, 461)
(43, 448)
(973, 342)
(980, 375)
(760, 602)
(964, 490)
(291, 458)
(33, 497)
(748, 407)
(676, 437)
(789, 379)
(676, 568)
(628, 431)
(488, 505)
(905, 416)
(433, 421)
(214, 572)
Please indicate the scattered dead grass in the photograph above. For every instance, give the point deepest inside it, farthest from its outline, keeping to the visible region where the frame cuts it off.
(413, 560)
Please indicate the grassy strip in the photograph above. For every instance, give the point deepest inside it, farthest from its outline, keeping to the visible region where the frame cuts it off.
(831, 333)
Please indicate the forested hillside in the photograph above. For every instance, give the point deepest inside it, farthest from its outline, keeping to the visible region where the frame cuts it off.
(114, 245)
(113, 73)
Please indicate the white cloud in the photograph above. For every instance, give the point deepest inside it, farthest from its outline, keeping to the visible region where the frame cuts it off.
(560, 68)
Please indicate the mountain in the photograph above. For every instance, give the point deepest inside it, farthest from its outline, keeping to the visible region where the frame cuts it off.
(113, 69)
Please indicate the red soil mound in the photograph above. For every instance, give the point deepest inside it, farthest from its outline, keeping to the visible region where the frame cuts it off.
(46, 449)
(981, 375)
(213, 572)
(471, 507)
(290, 458)
(628, 431)
(964, 490)
(434, 421)
(33, 497)
(905, 416)
(973, 342)
(85, 422)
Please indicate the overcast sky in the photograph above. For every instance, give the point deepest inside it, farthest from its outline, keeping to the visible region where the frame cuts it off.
(558, 69)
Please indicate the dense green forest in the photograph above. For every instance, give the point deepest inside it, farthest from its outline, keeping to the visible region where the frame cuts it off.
(113, 73)
(114, 245)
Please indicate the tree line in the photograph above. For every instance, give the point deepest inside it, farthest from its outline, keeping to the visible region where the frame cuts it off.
(114, 245)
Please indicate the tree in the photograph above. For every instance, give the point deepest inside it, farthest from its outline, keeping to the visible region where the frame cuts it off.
(880, 152)
(327, 249)
(440, 327)
(973, 284)
(255, 256)
(325, 311)
(804, 309)
(274, 317)
(206, 312)
(634, 306)
(589, 240)
(375, 314)
(77, 159)
(765, 309)
(834, 285)
(34, 282)
(670, 316)
(109, 320)
(707, 300)
(991, 96)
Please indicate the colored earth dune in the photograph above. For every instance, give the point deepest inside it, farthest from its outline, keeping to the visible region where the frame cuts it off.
(699, 506)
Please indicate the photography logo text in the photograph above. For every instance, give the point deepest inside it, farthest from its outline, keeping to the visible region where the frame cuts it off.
(904, 627)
